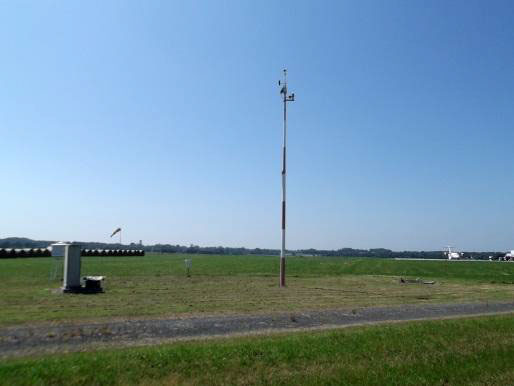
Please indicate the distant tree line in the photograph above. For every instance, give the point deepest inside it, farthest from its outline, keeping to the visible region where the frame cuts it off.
(21, 242)
(193, 249)
(387, 253)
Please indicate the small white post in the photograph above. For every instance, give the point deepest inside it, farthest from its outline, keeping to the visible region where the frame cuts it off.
(189, 264)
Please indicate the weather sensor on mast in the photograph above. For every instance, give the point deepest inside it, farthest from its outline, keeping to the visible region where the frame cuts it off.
(286, 98)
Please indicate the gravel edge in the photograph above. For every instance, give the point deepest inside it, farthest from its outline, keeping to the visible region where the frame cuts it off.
(35, 340)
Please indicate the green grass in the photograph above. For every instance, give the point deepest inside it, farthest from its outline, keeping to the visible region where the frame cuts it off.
(155, 286)
(457, 352)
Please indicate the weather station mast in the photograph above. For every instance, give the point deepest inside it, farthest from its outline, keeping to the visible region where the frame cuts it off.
(286, 98)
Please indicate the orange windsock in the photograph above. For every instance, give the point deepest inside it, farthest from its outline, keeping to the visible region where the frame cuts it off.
(116, 231)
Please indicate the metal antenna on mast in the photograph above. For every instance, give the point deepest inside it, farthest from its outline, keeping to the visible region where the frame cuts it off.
(286, 98)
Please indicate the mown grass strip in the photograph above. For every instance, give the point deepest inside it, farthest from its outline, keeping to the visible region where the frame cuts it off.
(461, 352)
(156, 285)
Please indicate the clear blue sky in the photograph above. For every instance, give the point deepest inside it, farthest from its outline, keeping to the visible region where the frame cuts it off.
(164, 118)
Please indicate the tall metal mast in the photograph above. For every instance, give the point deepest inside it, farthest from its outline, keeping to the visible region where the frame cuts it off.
(286, 98)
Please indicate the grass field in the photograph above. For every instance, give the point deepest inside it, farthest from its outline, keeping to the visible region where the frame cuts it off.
(155, 286)
(457, 352)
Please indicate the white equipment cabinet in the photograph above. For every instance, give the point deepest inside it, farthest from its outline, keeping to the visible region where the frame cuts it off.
(72, 265)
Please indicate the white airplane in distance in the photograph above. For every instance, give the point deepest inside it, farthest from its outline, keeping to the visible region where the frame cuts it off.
(453, 255)
(509, 256)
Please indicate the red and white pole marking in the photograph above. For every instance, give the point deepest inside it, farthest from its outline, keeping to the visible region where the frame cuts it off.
(286, 98)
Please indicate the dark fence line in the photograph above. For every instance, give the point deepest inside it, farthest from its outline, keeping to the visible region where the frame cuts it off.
(15, 253)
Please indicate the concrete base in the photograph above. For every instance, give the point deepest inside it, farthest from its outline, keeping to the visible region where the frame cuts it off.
(82, 290)
(71, 290)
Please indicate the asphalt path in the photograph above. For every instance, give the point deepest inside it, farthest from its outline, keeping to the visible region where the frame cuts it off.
(58, 338)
